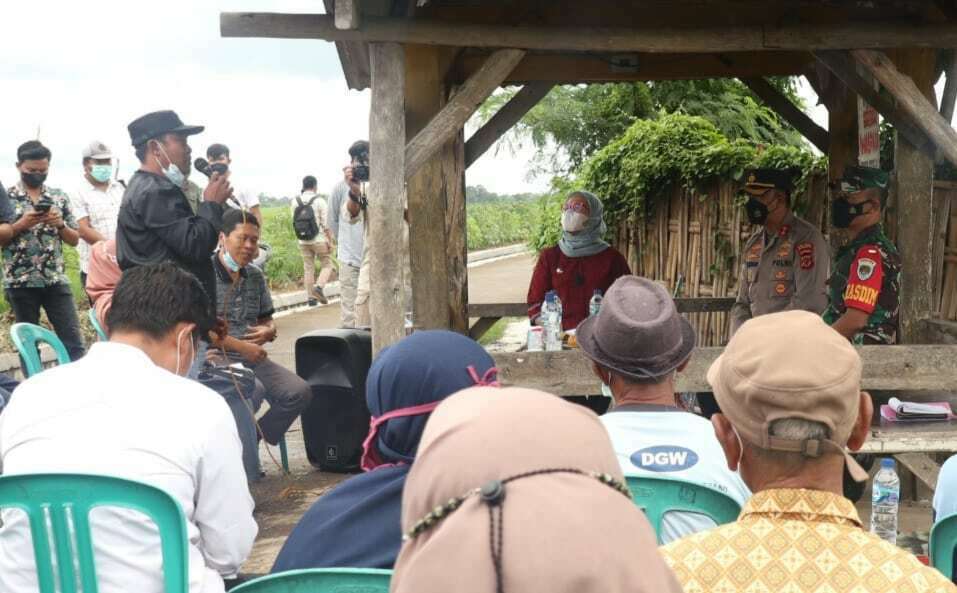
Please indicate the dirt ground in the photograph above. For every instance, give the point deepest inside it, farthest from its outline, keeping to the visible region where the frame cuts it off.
(282, 500)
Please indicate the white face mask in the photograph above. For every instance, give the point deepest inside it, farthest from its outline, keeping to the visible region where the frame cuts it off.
(573, 222)
(192, 348)
(172, 172)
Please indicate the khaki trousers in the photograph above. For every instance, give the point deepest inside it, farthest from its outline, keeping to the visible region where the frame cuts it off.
(348, 284)
(310, 251)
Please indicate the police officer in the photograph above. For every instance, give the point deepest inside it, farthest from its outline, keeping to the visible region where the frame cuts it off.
(864, 290)
(785, 263)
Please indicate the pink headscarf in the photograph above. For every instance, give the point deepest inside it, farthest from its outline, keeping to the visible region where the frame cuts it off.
(102, 278)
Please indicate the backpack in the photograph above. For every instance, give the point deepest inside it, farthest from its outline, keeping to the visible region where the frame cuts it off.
(304, 220)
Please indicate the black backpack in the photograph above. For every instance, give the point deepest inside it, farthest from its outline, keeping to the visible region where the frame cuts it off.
(304, 220)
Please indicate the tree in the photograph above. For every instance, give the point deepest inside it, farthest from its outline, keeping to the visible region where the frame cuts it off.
(573, 122)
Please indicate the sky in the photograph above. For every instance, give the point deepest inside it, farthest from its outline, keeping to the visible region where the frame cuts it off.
(282, 106)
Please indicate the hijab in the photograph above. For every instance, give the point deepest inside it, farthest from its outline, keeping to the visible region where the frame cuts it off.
(587, 241)
(559, 521)
(358, 523)
(103, 277)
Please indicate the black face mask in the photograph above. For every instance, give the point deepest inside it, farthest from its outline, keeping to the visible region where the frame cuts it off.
(843, 212)
(757, 212)
(33, 180)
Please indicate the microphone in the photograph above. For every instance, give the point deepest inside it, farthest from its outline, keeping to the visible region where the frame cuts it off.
(203, 166)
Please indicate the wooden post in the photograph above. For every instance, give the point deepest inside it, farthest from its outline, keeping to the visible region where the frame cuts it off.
(914, 186)
(789, 112)
(504, 119)
(427, 190)
(950, 90)
(447, 122)
(387, 193)
(456, 230)
(347, 14)
(842, 133)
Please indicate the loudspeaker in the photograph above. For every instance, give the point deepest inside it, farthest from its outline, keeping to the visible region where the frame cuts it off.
(335, 364)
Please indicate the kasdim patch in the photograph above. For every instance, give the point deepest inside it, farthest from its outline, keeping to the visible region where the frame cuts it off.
(664, 458)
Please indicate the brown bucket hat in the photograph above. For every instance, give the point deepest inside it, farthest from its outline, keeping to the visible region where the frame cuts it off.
(638, 331)
(790, 365)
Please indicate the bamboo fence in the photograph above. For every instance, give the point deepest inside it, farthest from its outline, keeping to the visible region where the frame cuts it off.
(691, 243)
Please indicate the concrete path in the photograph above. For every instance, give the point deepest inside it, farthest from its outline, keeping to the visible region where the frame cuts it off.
(282, 500)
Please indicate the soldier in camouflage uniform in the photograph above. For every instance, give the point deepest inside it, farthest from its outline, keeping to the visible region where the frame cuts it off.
(785, 262)
(864, 288)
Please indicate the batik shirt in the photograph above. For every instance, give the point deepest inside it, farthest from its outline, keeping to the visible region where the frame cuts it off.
(34, 258)
(798, 541)
(866, 277)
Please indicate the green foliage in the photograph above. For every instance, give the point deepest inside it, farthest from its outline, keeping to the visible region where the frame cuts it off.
(284, 269)
(492, 224)
(475, 194)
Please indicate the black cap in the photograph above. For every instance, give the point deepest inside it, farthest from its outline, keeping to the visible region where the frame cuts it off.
(758, 181)
(153, 125)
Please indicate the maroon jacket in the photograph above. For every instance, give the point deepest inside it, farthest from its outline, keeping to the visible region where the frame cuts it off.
(575, 279)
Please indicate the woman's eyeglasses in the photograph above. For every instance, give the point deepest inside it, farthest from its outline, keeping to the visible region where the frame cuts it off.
(575, 207)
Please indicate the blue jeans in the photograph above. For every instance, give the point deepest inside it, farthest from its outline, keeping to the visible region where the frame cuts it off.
(57, 301)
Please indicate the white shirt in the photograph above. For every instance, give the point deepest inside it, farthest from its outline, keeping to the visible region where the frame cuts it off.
(114, 412)
(678, 445)
(103, 210)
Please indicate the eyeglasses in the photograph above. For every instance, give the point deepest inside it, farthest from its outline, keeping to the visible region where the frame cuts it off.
(579, 207)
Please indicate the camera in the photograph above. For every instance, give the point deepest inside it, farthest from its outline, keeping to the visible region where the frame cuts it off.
(361, 168)
(43, 205)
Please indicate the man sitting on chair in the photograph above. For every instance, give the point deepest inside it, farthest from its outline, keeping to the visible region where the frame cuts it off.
(243, 299)
(125, 410)
(637, 343)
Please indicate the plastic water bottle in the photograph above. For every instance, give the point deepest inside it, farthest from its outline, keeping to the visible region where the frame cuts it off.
(594, 305)
(885, 502)
(552, 312)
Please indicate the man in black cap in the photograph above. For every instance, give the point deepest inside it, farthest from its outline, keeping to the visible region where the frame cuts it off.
(637, 343)
(156, 223)
(785, 262)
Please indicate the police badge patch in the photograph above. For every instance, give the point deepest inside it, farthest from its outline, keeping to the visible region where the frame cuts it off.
(865, 268)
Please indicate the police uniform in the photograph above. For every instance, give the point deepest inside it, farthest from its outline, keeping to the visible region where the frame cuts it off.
(867, 272)
(781, 271)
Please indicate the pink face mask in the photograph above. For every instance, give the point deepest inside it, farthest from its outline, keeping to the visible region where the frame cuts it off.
(370, 457)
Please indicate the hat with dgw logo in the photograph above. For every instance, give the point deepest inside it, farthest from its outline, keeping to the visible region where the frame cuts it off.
(790, 365)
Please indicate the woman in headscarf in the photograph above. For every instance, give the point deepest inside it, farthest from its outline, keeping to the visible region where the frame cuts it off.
(497, 504)
(357, 524)
(580, 264)
(103, 277)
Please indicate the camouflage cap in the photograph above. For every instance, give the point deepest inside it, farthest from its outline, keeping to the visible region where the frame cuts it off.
(758, 181)
(857, 179)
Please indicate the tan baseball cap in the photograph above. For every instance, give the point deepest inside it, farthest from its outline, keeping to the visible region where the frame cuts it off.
(97, 150)
(790, 365)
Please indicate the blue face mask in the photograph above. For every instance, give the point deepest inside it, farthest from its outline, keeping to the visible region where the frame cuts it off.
(172, 172)
(101, 173)
(231, 264)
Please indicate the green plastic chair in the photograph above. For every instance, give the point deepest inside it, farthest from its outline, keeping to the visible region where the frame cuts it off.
(321, 580)
(25, 337)
(658, 496)
(96, 325)
(943, 540)
(65, 500)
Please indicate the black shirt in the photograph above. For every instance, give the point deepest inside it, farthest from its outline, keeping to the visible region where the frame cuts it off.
(157, 225)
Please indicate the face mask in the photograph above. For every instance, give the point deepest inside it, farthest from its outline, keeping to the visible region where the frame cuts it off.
(33, 180)
(101, 173)
(172, 172)
(757, 211)
(231, 264)
(573, 222)
(843, 212)
(192, 356)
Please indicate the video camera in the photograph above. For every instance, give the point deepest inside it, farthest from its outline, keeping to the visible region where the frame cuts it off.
(361, 168)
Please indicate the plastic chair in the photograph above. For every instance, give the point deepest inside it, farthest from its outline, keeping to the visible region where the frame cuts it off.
(943, 541)
(25, 337)
(321, 580)
(96, 325)
(64, 502)
(659, 496)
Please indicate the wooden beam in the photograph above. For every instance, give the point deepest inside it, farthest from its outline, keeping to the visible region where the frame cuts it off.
(844, 68)
(790, 112)
(347, 14)
(504, 119)
(456, 231)
(720, 38)
(684, 305)
(481, 327)
(950, 91)
(911, 100)
(891, 368)
(387, 194)
(922, 466)
(447, 123)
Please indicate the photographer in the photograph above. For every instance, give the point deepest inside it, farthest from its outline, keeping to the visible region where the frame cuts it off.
(355, 210)
(156, 223)
(349, 240)
(34, 272)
